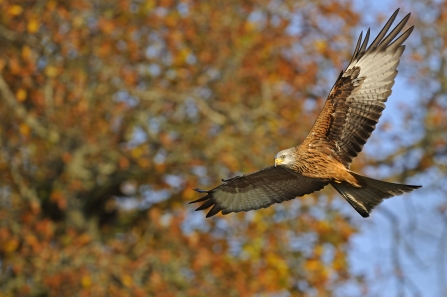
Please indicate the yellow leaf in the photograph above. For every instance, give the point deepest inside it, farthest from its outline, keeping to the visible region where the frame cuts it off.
(149, 5)
(86, 281)
(250, 26)
(33, 26)
(339, 262)
(78, 21)
(145, 163)
(188, 194)
(15, 10)
(137, 152)
(10, 245)
(26, 52)
(21, 95)
(24, 129)
(127, 280)
(281, 266)
(51, 71)
(319, 250)
(182, 55)
(323, 227)
(320, 45)
(312, 265)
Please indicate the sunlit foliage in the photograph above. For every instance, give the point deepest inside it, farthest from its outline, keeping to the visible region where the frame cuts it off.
(112, 111)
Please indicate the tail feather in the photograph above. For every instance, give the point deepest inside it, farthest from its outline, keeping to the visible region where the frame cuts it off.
(371, 193)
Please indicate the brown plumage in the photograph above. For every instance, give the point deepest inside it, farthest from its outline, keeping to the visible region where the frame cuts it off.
(349, 116)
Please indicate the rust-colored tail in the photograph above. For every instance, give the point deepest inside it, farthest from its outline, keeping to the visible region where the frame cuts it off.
(371, 193)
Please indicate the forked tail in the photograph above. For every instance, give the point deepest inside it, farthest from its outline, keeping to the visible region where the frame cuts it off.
(371, 193)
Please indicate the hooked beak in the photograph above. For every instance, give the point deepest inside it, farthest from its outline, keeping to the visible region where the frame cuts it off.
(278, 161)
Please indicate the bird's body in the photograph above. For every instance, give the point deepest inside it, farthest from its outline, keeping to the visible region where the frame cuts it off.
(319, 162)
(350, 114)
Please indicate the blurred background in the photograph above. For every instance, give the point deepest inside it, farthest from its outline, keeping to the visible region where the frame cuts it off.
(113, 111)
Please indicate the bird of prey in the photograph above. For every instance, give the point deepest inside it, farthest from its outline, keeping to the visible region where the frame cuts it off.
(349, 116)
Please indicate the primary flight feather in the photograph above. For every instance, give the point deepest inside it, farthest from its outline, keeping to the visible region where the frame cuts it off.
(349, 116)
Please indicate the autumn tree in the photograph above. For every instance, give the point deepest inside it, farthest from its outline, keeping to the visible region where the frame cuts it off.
(113, 112)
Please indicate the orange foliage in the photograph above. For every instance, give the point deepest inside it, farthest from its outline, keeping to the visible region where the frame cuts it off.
(105, 103)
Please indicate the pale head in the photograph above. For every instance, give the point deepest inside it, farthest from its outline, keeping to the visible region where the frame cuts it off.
(285, 157)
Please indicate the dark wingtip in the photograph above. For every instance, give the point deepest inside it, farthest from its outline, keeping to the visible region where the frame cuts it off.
(230, 179)
(412, 187)
(206, 197)
(200, 191)
(364, 214)
(200, 199)
(216, 208)
(205, 205)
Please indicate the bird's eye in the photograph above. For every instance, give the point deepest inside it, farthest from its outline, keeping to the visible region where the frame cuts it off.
(283, 157)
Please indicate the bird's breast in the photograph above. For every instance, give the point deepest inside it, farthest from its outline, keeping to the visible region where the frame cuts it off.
(319, 163)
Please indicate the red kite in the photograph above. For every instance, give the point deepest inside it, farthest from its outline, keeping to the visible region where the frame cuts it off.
(349, 116)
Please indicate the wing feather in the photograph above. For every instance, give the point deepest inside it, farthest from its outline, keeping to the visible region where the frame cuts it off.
(257, 190)
(365, 43)
(357, 99)
(384, 30)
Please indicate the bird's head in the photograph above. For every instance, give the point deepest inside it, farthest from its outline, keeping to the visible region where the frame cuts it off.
(285, 157)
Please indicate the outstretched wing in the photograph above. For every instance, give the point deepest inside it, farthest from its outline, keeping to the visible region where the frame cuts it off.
(356, 101)
(257, 190)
